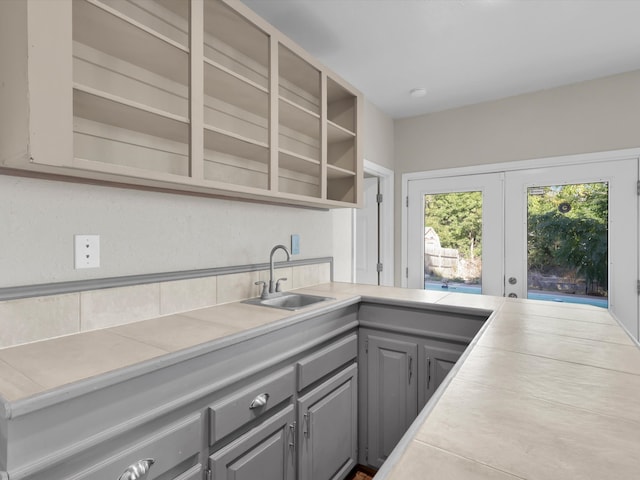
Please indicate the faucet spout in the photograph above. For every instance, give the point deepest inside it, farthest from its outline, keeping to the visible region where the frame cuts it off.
(272, 287)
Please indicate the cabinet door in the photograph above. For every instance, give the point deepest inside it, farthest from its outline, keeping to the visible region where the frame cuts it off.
(327, 426)
(266, 452)
(392, 394)
(438, 362)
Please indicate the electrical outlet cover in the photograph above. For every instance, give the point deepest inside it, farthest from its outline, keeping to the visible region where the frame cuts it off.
(295, 244)
(87, 251)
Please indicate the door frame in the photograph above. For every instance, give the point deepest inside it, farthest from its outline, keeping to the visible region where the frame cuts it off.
(564, 160)
(385, 226)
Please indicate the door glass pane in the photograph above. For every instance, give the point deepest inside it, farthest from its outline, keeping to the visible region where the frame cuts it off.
(567, 243)
(453, 242)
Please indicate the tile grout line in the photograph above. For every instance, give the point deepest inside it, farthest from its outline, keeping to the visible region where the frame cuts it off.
(469, 459)
(548, 400)
(24, 374)
(559, 359)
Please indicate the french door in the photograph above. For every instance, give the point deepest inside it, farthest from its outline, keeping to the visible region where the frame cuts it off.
(430, 261)
(587, 232)
(541, 238)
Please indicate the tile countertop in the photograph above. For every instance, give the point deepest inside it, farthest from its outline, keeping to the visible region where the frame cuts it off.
(545, 391)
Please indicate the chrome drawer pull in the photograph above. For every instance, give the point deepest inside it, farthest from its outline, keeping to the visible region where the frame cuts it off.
(259, 401)
(137, 471)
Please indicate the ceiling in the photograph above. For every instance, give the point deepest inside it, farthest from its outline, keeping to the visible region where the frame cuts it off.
(461, 51)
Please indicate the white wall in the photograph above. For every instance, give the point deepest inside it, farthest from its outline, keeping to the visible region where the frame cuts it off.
(378, 139)
(144, 232)
(592, 116)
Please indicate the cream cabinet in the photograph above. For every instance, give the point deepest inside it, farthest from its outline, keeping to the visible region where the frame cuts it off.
(200, 96)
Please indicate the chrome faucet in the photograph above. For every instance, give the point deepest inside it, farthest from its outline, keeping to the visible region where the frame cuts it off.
(274, 287)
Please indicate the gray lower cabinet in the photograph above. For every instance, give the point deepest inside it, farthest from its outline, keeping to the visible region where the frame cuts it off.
(299, 422)
(284, 404)
(224, 410)
(266, 452)
(405, 354)
(392, 393)
(438, 362)
(327, 428)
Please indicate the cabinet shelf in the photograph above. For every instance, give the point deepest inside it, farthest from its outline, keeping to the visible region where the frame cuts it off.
(112, 110)
(104, 28)
(336, 133)
(334, 172)
(233, 41)
(230, 87)
(298, 163)
(231, 144)
(299, 81)
(234, 160)
(341, 106)
(298, 118)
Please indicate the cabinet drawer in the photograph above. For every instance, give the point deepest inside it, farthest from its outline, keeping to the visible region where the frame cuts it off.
(326, 360)
(168, 447)
(233, 411)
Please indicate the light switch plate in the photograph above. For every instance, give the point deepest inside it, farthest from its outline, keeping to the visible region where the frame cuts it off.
(295, 244)
(87, 251)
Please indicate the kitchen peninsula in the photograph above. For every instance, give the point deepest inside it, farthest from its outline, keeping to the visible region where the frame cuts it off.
(543, 390)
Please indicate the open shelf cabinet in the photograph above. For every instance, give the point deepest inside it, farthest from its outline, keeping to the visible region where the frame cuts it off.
(192, 95)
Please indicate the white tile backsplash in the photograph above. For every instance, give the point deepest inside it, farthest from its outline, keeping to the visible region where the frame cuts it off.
(39, 318)
(183, 295)
(116, 306)
(31, 319)
(237, 286)
(306, 275)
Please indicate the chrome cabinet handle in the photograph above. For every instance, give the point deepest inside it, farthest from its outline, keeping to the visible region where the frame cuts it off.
(292, 436)
(410, 368)
(306, 427)
(428, 372)
(137, 471)
(259, 401)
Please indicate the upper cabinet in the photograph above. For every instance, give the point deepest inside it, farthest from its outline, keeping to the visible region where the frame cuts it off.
(201, 96)
(130, 87)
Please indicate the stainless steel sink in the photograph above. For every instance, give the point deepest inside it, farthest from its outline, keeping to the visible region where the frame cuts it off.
(288, 301)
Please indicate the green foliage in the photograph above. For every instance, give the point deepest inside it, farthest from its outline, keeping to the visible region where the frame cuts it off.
(571, 243)
(457, 219)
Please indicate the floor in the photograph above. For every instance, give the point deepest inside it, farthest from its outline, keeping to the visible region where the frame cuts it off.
(359, 476)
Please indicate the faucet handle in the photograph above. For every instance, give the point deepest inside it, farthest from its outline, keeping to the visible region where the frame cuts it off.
(264, 292)
(278, 288)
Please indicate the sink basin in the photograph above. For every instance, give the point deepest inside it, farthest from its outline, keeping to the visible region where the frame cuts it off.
(289, 301)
